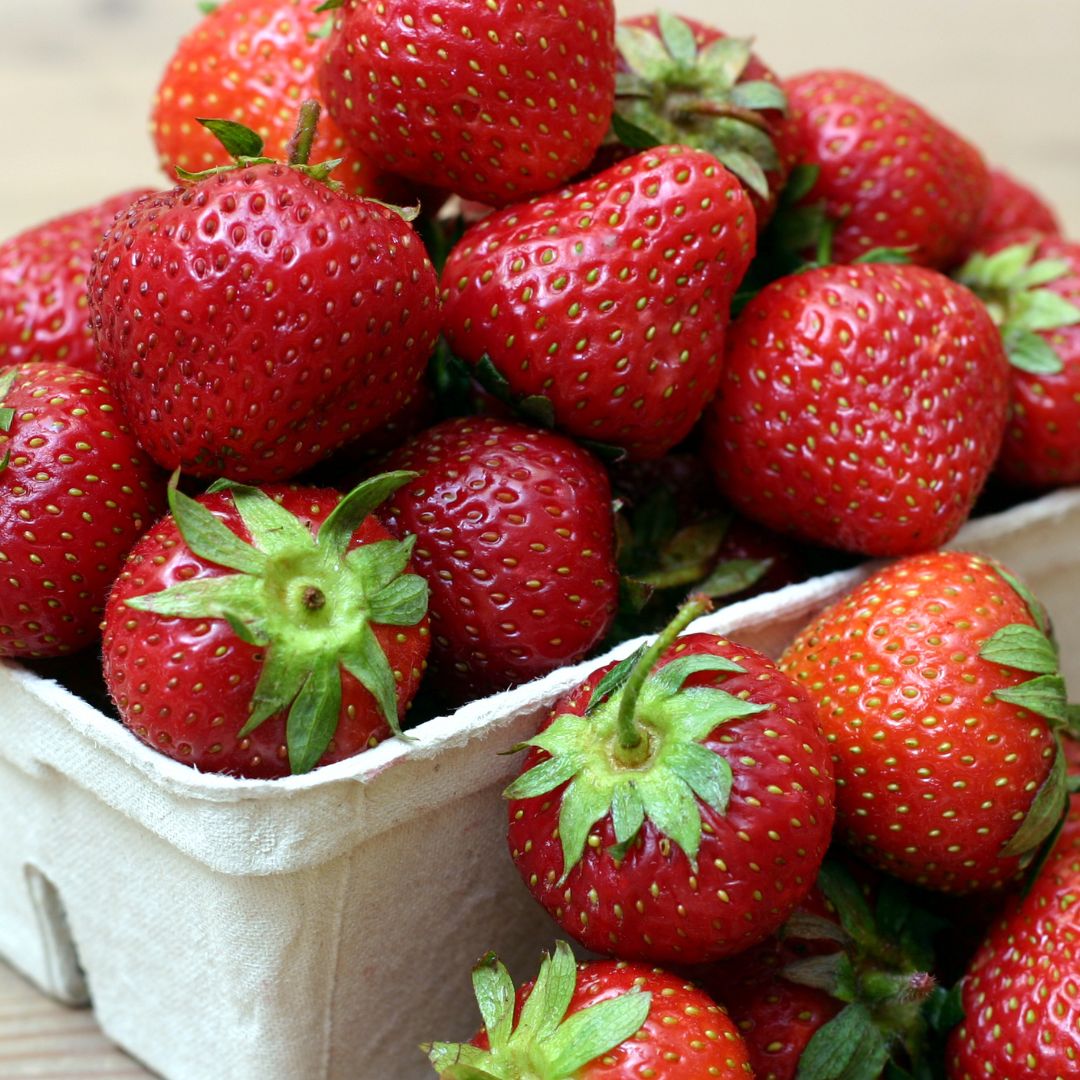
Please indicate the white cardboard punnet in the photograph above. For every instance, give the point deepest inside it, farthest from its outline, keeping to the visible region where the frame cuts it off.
(321, 927)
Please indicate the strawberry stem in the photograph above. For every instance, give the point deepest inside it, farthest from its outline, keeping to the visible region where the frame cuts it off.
(633, 746)
(299, 147)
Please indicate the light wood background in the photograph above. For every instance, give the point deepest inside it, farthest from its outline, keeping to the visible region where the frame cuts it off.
(76, 78)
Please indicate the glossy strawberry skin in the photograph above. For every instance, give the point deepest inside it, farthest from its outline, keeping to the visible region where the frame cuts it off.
(1041, 448)
(184, 686)
(515, 535)
(43, 271)
(934, 774)
(77, 492)
(494, 102)
(610, 298)
(891, 174)
(253, 62)
(255, 321)
(1011, 206)
(686, 1035)
(841, 419)
(1020, 995)
(756, 862)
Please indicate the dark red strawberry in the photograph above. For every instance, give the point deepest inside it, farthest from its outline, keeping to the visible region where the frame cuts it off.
(842, 417)
(77, 492)
(603, 307)
(262, 632)
(604, 1020)
(495, 102)
(1021, 995)
(515, 534)
(890, 174)
(675, 807)
(255, 320)
(1010, 207)
(1032, 289)
(681, 81)
(251, 61)
(43, 275)
(940, 693)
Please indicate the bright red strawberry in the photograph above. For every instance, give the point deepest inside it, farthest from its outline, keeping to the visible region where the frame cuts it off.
(606, 304)
(891, 175)
(254, 321)
(842, 417)
(606, 1020)
(515, 534)
(77, 492)
(940, 693)
(251, 61)
(495, 101)
(675, 807)
(1011, 207)
(260, 632)
(1032, 288)
(683, 82)
(1021, 995)
(43, 275)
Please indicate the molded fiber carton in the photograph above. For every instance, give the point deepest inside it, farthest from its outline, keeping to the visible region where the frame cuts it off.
(320, 927)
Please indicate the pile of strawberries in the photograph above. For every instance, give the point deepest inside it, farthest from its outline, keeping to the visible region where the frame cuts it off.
(472, 339)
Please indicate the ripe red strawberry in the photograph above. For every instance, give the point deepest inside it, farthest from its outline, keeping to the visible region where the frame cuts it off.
(675, 807)
(681, 81)
(1011, 207)
(260, 632)
(605, 304)
(1032, 288)
(891, 175)
(844, 419)
(1021, 995)
(495, 102)
(606, 1020)
(515, 535)
(77, 492)
(255, 320)
(940, 692)
(43, 287)
(251, 61)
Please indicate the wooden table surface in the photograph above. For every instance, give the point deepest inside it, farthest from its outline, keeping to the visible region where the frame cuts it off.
(76, 77)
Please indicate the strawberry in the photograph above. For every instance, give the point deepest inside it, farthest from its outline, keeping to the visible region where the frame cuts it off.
(890, 174)
(1011, 207)
(1032, 289)
(842, 417)
(683, 82)
(260, 632)
(515, 534)
(1020, 996)
(43, 287)
(253, 62)
(495, 102)
(940, 693)
(255, 320)
(603, 307)
(674, 807)
(603, 1020)
(77, 492)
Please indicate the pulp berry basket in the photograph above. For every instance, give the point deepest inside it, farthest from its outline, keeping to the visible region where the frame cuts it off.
(322, 926)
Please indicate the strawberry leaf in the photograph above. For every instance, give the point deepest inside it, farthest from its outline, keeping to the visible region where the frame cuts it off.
(283, 673)
(843, 892)
(1047, 808)
(551, 995)
(746, 168)
(594, 1030)
(584, 803)
(210, 538)
(643, 52)
(700, 710)
(1034, 604)
(232, 596)
(669, 679)
(545, 777)
(631, 135)
(759, 94)
(850, 1046)
(1041, 309)
(723, 61)
(1031, 353)
(381, 562)
(240, 141)
(627, 812)
(313, 717)
(1043, 695)
(670, 805)
(494, 992)
(273, 529)
(677, 37)
(733, 576)
(708, 774)
(403, 602)
(1024, 647)
(614, 679)
(336, 532)
(367, 663)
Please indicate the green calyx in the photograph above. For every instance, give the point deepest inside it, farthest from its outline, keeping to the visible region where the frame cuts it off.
(246, 148)
(1012, 283)
(308, 601)
(636, 753)
(894, 1011)
(546, 1044)
(7, 414)
(677, 93)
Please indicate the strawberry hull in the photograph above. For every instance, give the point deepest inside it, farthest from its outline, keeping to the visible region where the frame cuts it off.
(271, 916)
